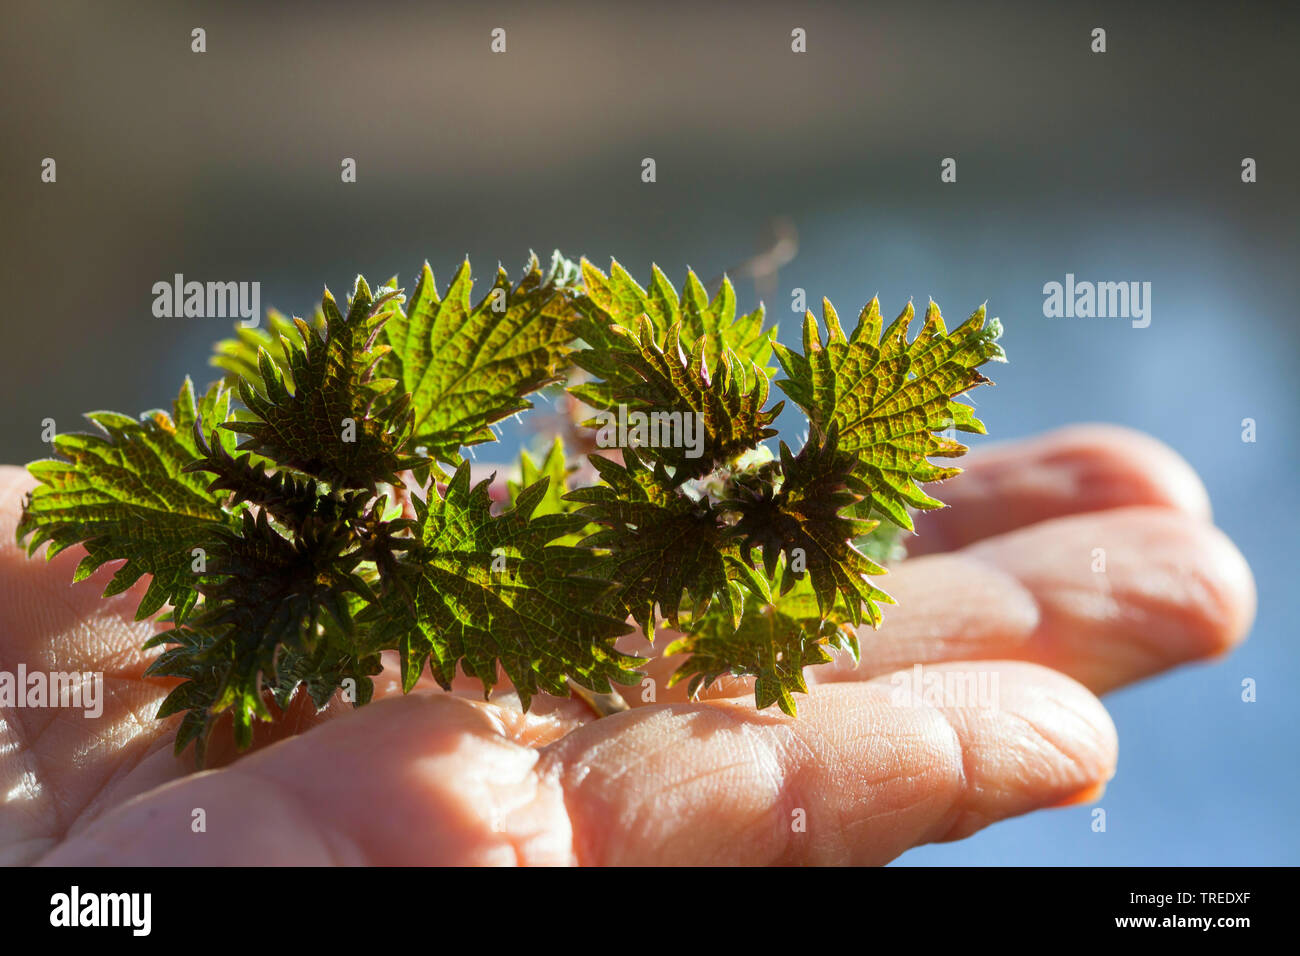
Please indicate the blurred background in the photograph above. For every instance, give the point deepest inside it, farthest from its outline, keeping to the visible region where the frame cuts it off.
(1122, 166)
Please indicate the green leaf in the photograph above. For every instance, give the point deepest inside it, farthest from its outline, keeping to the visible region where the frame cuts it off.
(481, 589)
(659, 353)
(328, 666)
(263, 595)
(773, 643)
(662, 545)
(125, 495)
(616, 301)
(318, 556)
(884, 544)
(710, 416)
(322, 411)
(556, 470)
(803, 520)
(469, 365)
(292, 498)
(237, 357)
(887, 397)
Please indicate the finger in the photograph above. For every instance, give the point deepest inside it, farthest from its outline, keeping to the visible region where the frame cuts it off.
(549, 717)
(1074, 470)
(41, 602)
(439, 780)
(858, 777)
(422, 779)
(1172, 591)
(59, 764)
(1108, 598)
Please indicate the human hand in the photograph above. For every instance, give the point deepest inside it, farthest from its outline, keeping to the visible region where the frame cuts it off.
(1002, 584)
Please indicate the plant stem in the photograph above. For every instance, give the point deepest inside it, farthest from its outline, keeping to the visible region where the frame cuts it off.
(602, 704)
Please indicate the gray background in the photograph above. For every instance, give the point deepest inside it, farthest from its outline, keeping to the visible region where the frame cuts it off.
(1122, 166)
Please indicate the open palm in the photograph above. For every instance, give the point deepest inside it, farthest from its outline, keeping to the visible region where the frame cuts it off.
(1003, 583)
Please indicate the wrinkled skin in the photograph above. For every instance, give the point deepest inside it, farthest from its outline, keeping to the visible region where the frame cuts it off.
(1002, 580)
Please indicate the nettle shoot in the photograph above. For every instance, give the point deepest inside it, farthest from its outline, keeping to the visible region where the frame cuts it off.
(313, 508)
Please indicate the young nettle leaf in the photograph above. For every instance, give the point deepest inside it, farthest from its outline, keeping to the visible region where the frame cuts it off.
(330, 416)
(469, 365)
(710, 415)
(888, 397)
(322, 672)
(557, 471)
(262, 592)
(293, 560)
(657, 546)
(803, 521)
(774, 642)
(611, 305)
(883, 544)
(483, 590)
(237, 357)
(292, 498)
(695, 369)
(124, 494)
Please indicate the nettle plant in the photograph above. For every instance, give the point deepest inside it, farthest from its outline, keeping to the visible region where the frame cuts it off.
(313, 508)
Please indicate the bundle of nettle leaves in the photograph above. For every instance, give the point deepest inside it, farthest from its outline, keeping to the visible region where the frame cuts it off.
(299, 532)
